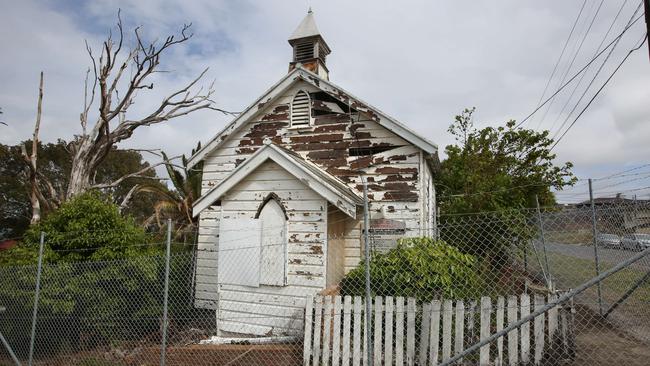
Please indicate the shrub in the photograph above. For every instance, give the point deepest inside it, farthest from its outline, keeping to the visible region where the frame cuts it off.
(101, 280)
(88, 227)
(420, 268)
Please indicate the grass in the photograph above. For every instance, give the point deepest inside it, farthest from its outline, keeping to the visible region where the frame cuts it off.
(580, 236)
(570, 272)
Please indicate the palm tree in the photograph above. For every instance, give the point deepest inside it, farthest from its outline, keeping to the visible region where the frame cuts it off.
(176, 204)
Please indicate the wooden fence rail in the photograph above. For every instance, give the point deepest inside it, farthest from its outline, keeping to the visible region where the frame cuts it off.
(407, 333)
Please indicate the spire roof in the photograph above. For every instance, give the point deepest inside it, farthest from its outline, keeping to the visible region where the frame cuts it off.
(306, 28)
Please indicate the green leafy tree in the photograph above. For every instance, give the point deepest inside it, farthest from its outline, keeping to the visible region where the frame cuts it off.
(88, 228)
(54, 171)
(420, 268)
(498, 170)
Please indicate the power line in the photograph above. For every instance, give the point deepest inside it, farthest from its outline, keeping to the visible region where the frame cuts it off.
(626, 181)
(599, 90)
(611, 26)
(594, 77)
(578, 73)
(575, 55)
(624, 171)
(566, 43)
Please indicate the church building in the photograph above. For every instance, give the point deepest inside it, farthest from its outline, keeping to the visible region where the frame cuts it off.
(281, 210)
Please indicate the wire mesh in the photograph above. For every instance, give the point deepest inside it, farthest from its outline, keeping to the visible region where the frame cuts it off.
(434, 293)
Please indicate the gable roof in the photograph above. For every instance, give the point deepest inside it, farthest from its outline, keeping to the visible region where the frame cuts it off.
(323, 183)
(285, 83)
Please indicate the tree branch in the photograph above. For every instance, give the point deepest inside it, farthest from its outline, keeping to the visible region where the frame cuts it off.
(137, 174)
(128, 197)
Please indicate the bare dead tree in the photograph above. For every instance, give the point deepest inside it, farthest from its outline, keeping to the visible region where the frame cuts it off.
(35, 195)
(115, 95)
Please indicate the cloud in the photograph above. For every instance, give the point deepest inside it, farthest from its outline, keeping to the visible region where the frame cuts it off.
(421, 63)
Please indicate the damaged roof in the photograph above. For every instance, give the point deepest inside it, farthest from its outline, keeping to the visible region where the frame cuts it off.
(329, 187)
(301, 74)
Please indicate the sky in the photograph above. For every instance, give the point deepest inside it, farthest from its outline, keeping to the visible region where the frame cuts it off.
(421, 62)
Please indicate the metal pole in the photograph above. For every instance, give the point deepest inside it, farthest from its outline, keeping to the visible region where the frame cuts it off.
(436, 214)
(646, 7)
(634, 221)
(366, 237)
(36, 295)
(6, 344)
(8, 348)
(569, 295)
(163, 349)
(543, 240)
(627, 293)
(595, 233)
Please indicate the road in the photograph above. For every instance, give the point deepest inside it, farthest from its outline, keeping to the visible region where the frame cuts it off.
(611, 256)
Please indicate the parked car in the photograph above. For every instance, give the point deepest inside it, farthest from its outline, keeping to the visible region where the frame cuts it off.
(608, 241)
(636, 241)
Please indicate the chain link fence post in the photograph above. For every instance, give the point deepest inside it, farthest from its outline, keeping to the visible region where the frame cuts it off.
(163, 348)
(543, 241)
(36, 295)
(595, 235)
(366, 236)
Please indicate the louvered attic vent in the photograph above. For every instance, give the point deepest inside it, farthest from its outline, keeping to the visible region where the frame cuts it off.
(300, 110)
(303, 51)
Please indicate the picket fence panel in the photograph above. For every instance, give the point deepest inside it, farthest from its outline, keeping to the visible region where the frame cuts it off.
(426, 333)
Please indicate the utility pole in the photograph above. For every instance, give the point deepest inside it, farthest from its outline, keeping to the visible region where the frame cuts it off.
(646, 7)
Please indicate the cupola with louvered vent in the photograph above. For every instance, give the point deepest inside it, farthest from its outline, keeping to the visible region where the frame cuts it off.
(309, 48)
(300, 109)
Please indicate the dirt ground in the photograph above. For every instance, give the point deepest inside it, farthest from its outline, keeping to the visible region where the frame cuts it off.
(602, 343)
(598, 342)
(225, 355)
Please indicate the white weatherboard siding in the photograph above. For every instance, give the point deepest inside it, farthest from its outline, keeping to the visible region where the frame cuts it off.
(428, 194)
(221, 162)
(276, 310)
(205, 292)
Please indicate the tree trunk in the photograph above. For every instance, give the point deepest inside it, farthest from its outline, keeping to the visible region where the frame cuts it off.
(79, 178)
(31, 160)
(87, 156)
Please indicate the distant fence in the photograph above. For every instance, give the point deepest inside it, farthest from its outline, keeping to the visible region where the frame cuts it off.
(407, 333)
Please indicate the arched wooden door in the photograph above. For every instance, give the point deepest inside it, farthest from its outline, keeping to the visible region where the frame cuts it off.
(273, 261)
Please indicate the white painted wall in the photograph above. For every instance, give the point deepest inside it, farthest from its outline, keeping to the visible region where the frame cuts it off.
(307, 212)
(267, 309)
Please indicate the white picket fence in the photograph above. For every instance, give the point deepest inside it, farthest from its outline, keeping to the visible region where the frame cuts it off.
(334, 327)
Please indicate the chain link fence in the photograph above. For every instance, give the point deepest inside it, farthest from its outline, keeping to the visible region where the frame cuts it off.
(517, 281)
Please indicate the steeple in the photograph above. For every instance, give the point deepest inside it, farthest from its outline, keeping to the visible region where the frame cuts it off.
(309, 47)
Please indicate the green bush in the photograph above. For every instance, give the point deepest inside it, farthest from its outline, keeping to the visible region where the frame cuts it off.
(101, 282)
(420, 268)
(88, 228)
